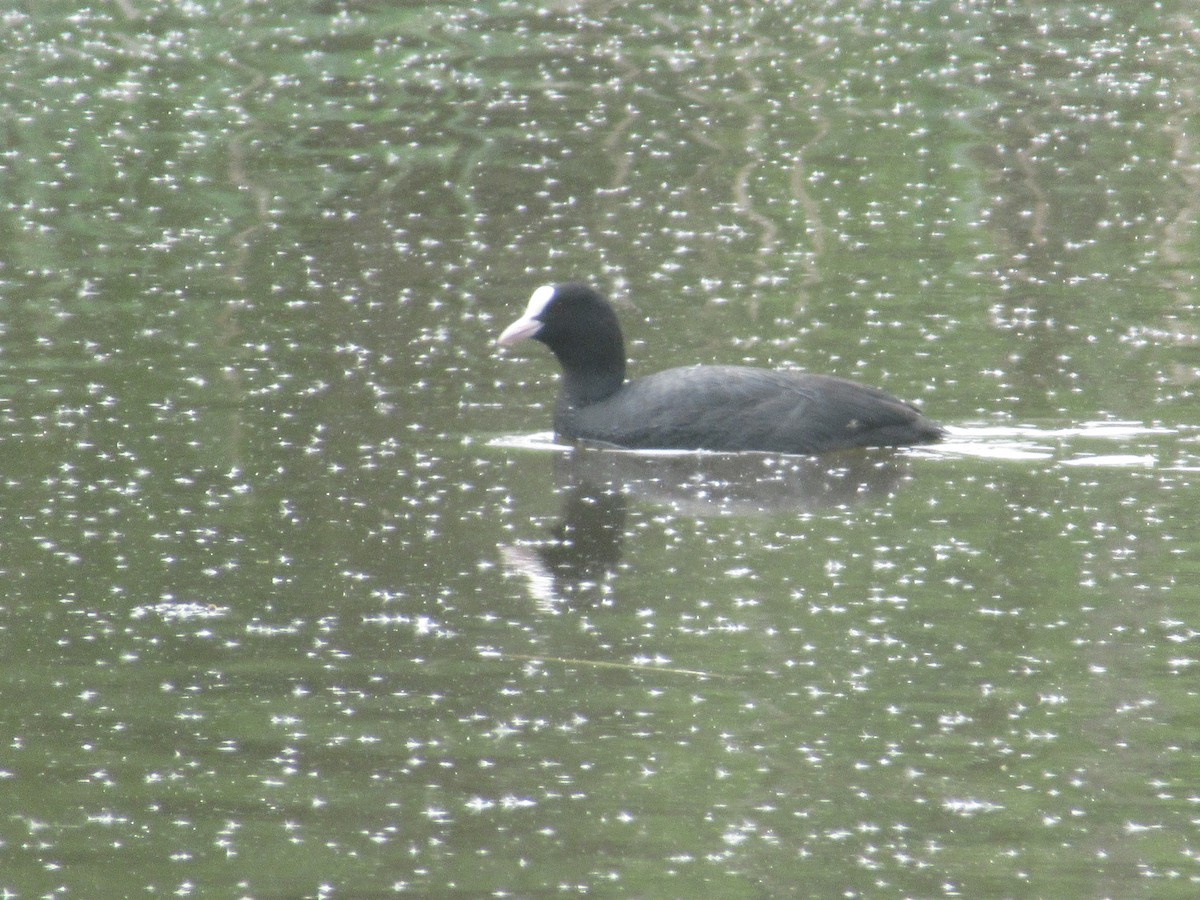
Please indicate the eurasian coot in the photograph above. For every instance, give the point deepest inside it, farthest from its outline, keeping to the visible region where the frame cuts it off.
(700, 407)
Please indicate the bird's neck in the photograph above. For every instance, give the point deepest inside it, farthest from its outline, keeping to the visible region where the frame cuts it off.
(583, 387)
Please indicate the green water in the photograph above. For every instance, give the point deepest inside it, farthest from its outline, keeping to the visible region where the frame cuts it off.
(298, 603)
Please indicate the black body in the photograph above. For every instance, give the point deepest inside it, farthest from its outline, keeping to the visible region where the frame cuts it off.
(704, 407)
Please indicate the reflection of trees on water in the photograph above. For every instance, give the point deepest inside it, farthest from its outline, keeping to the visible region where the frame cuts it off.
(1055, 185)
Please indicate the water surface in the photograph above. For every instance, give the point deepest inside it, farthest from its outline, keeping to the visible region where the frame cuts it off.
(300, 600)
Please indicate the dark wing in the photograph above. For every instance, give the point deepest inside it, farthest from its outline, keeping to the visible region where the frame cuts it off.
(740, 408)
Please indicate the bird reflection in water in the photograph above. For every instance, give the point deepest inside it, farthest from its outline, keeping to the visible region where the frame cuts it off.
(578, 558)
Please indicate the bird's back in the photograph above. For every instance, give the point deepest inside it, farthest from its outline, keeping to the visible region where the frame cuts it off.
(732, 408)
